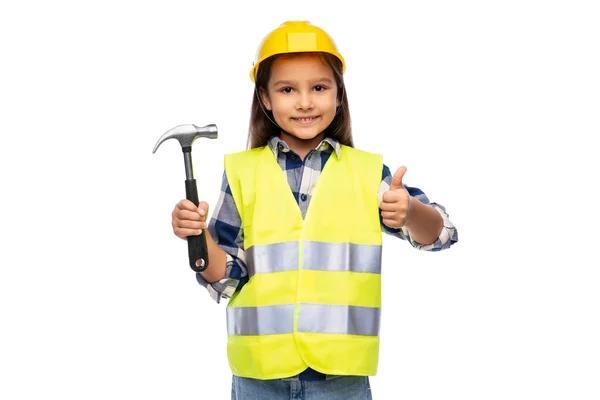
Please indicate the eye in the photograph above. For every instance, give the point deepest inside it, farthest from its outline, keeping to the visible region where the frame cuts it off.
(286, 90)
(320, 88)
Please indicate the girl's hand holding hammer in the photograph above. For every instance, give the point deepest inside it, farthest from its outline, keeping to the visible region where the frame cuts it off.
(189, 220)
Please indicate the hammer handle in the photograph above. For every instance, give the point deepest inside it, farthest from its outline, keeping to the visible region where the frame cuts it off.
(197, 248)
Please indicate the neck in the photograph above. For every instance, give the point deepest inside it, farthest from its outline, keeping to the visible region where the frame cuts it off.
(301, 146)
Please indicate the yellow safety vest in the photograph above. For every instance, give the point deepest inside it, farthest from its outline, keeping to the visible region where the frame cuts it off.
(314, 293)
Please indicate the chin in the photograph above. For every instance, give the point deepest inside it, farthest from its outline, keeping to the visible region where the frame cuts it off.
(306, 136)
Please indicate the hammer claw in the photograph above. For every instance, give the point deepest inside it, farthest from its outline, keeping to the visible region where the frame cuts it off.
(186, 134)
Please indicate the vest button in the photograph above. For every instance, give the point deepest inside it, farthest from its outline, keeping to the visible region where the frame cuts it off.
(304, 197)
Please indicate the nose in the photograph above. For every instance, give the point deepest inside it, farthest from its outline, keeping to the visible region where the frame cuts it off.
(305, 101)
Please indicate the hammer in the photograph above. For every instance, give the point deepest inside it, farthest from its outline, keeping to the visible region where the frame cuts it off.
(186, 134)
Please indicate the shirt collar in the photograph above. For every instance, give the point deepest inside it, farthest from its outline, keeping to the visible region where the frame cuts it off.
(276, 144)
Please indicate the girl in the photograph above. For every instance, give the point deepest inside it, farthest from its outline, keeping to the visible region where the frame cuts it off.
(295, 241)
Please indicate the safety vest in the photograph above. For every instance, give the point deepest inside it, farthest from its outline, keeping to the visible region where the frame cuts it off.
(314, 293)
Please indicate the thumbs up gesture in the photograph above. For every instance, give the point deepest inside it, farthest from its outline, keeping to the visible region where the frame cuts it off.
(396, 203)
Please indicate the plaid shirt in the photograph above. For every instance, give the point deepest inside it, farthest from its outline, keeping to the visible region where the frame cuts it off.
(225, 226)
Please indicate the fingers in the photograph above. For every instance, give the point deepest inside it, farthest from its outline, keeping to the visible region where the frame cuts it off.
(184, 228)
(394, 219)
(184, 233)
(389, 209)
(189, 220)
(393, 197)
(189, 215)
(203, 209)
(394, 208)
(189, 224)
(389, 214)
(186, 205)
(185, 209)
(392, 223)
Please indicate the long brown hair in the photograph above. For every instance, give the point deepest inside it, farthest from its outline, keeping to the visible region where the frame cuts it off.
(262, 126)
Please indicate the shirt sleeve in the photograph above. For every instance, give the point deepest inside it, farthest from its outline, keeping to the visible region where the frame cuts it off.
(226, 229)
(449, 234)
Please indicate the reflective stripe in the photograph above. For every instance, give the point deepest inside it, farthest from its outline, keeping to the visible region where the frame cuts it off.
(265, 320)
(278, 257)
(319, 318)
(263, 259)
(351, 320)
(342, 257)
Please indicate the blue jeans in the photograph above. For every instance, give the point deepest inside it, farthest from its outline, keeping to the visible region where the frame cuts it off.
(339, 388)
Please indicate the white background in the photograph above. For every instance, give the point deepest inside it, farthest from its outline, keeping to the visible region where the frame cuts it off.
(492, 106)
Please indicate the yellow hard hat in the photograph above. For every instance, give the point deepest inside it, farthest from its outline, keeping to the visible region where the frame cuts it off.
(295, 37)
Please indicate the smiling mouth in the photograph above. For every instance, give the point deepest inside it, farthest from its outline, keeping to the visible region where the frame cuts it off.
(305, 120)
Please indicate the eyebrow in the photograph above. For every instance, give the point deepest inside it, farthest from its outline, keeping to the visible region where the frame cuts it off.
(291, 83)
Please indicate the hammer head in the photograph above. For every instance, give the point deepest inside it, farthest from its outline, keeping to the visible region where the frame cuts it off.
(186, 134)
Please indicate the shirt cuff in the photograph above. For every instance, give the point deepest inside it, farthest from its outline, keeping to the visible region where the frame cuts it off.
(226, 287)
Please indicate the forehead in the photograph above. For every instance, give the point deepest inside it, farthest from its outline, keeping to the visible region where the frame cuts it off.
(300, 66)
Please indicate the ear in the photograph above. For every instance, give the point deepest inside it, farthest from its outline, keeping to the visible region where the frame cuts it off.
(264, 96)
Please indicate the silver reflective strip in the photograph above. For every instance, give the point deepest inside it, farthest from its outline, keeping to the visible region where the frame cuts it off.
(351, 320)
(265, 320)
(267, 258)
(341, 257)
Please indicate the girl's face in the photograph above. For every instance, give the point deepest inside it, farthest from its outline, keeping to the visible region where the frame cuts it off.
(302, 94)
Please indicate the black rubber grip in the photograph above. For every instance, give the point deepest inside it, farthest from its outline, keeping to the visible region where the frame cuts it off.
(197, 248)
